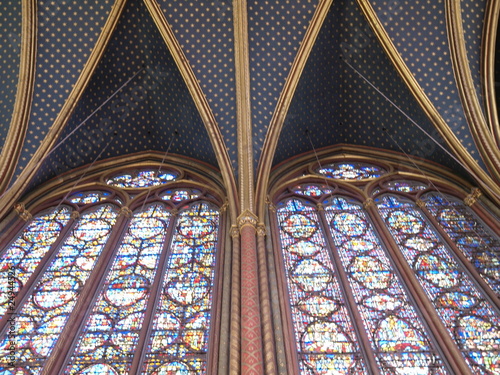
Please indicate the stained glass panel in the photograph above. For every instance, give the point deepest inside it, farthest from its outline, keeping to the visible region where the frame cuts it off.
(477, 242)
(179, 195)
(312, 190)
(142, 179)
(351, 171)
(398, 338)
(326, 341)
(112, 330)
(471, 320)
(179, 340)
(42, 318)
(20, 259)
(405, 186)
(89, 197)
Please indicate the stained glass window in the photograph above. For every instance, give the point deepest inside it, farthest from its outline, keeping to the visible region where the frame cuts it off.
(476, 241)
(20, 259)
(112, 329)
(405, 186)
(179, 338)
(43, 316)
(324, 332)
(397, 335)
(312, 190)
(470, 319)
(142, 179)
(351, 171)
(89, 197)
(179, 195)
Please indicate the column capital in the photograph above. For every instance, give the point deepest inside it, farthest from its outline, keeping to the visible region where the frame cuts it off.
(261, 230)
(235, 231)
(368, 203)
(470, 199)
(75, 215)
(247, 217)
(420, 203)
(125, 211)
(22, 211)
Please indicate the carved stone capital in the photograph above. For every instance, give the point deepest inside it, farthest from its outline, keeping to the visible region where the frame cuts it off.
(247, 218)
(420, 203)
(224, 207)
(22, 211)
(261, 230)
(368, 203)
(235, 231)
(320, 206)
(270, 204)
(470, 199)
(75, 215)
(125, 211)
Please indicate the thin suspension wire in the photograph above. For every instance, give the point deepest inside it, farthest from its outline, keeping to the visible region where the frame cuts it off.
(81, 124)
(159, 168)
(420, 128)
(412, 161)
(83, 174)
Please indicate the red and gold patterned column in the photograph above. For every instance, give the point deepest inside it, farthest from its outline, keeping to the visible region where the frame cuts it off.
(251, 329)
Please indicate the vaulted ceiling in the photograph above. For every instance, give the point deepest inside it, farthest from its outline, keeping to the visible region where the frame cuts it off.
(245, 87)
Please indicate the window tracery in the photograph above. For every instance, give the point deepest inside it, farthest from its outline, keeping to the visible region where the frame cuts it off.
(401, 339)
(152, 311)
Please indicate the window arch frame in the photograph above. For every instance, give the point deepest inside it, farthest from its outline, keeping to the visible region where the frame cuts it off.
(56, 193)
(283, 180)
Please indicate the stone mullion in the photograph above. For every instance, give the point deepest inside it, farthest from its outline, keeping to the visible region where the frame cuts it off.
(235, 329)
(265, 301)
(478, 279)
(220, 361)
(284, 300)
(365, 345)
(278, 303)
(451, 354)
(30, 284)
(66, 342)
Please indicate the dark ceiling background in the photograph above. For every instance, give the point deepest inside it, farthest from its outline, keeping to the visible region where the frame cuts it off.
(138, 101)
(147, 112)
(334, 104)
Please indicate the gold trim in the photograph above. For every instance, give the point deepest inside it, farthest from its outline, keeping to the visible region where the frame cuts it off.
(200, 101)
(22, 106)
(420, 203)
(488, 62)
(75, 215)
(472, 108)
(277, 121)
(13, 193)
(243, 105)
(481, 177)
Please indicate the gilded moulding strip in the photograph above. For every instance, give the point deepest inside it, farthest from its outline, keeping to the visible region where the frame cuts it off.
(488, 61)
(473, 111)
(17, 188)
(200, 101)
(284, 101)
(243, 105)
(456, 147)
(22, 106)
